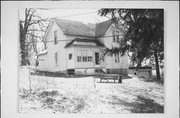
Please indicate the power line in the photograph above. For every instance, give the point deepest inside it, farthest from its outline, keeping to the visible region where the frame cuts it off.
(70, 15)
(77, 14)
(73, 15)
(72, 39)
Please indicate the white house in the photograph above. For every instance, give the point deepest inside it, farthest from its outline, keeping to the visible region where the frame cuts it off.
(76, 47)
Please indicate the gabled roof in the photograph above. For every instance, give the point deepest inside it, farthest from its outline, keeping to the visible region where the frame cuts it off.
(76, 27)
(79, 28)
(88, 42)
(102, 28)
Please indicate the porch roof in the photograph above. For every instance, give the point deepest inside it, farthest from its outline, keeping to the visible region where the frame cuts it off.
(42, 52)
(84, 42)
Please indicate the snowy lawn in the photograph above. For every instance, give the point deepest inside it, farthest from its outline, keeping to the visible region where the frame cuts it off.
(84, 95)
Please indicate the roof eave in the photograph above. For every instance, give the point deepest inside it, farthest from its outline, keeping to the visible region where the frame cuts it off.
(79, 35)
(84, 46)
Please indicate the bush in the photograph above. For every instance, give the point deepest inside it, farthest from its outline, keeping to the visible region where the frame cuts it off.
(49, 93)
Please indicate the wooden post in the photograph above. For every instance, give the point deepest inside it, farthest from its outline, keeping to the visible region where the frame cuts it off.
(30, 89)
(52, 84)
(94, 83)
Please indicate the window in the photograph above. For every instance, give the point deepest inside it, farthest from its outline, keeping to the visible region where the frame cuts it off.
(115, 34)
(114, 38)
(89, 58)
(55, 37)
(117, 58)
(117, 37)
(84, 59)
(84, 56)
(56, 59)
(70, 56)
(78, 58)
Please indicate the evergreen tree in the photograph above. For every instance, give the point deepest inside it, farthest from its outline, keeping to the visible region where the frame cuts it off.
(143, 33)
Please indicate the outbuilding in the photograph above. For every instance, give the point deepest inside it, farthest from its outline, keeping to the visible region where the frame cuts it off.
(145, 72)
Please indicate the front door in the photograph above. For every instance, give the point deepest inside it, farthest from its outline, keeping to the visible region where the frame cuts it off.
(96, 58)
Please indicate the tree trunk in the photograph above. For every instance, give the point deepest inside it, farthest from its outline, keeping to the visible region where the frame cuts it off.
(22, 48)
(24, 53)
(157, 65)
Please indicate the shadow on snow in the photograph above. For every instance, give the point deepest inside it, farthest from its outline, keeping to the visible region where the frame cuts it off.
(142, 105)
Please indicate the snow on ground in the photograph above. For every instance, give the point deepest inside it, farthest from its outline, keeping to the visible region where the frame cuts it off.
(86, 95)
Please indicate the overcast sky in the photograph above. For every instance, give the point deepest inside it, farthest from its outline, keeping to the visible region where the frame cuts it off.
(84, 15)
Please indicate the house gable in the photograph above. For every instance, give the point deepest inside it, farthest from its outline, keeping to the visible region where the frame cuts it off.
(56, 55)
(52, 27)
(102, 28)
(114, 61)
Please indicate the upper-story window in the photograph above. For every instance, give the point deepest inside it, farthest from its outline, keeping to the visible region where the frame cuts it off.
(117, 59)
(55, 37)
(115, 35)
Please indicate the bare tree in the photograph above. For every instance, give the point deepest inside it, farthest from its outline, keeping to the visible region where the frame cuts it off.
(32, 30)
